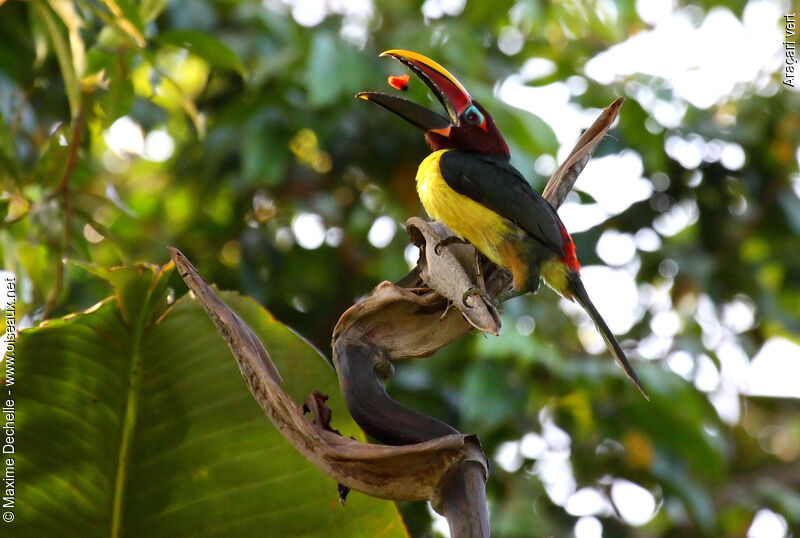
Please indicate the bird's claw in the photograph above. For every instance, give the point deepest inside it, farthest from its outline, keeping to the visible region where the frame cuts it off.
(446, 241)
(475, 290)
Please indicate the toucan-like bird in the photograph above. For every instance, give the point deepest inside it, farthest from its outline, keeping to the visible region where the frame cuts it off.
(469, 184)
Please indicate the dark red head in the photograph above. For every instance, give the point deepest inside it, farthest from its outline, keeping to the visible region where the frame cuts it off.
(469, 127)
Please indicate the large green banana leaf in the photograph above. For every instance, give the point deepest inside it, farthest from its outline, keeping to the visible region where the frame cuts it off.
(133, 420)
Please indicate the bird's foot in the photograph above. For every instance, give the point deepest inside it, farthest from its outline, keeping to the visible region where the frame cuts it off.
(508, 294)
(449, 240)
(480, 292)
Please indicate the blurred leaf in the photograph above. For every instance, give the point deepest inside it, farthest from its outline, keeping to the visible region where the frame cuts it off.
(126, 16)
(490, 397)
(527, 131)
(64, 55)
(151, 9)
(69, 16)
(117, 99)
(695, 498)
(681, 430)
(4, 205)
(785, 499)
(52, 161)
(216, 53)
(173, 86)
(334, 70)
(8, 166)
(95, 81)
(264, 158)
(323, 77)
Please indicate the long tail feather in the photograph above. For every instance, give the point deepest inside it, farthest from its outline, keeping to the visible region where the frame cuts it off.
(579, 293)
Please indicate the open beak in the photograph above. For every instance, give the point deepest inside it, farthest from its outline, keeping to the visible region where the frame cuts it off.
(415, 114)
(446, 87)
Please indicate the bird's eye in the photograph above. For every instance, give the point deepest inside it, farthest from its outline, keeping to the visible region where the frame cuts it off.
(473, 116)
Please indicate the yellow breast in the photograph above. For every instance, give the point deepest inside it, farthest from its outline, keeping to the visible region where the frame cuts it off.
(472, 221)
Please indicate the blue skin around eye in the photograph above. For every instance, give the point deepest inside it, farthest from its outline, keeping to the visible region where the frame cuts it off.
(474, 110)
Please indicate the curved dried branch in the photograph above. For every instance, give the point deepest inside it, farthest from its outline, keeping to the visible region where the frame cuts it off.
(563, 179)
(411, 472)
(360, 367)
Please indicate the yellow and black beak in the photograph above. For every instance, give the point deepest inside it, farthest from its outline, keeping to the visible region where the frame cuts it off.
(448, 90)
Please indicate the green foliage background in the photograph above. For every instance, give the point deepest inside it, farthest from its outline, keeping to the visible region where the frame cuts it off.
(265, 127)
